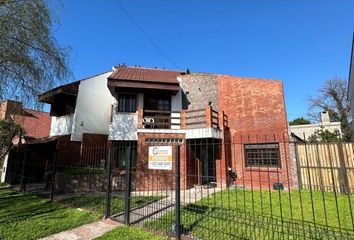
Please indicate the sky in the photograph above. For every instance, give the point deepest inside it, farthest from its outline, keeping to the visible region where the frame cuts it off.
(303, 43)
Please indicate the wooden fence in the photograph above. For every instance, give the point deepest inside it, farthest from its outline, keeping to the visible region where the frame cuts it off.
(326, 166)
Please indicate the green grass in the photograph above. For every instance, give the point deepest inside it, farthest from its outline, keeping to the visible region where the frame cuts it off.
(96, 204)
(25, 216)
(129, 233)
(230, 214)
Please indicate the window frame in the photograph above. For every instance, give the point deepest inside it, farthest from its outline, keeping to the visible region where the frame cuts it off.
(123, 103)
(269, 152)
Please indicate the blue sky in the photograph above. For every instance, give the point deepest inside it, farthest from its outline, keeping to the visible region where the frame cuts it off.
(300, 42)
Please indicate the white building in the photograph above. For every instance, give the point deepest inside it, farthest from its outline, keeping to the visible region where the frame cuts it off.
(304, 131)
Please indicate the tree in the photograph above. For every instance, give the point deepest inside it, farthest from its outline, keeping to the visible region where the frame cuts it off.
(9, 130)
(31, 61)
(299, 121)
(333, 99)
(324, 135)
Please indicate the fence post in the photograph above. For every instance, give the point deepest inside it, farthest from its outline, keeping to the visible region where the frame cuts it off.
(23, 180)
(343, 170)
(177, 193)
(107, 211)
(127, 190)
(53, 174)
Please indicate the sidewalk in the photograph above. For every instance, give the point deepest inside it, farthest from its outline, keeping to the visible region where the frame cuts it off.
(85, 232)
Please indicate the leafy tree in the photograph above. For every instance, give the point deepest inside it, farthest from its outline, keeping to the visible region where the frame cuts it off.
(31, 61)
(333, 99)
(9, 130)
(324, 135)
(299, 121)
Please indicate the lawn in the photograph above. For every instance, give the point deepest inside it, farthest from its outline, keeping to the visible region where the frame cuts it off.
(25, 216)
(230, 214)
(129, 233)
(96, 203)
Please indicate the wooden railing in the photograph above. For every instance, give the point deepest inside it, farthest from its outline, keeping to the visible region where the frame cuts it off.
(156, 119)
(189, 119)
(202, 118)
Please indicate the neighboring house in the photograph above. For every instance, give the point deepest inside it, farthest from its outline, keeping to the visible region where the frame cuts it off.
(35, 124)
(138, 106)
(351, 86)
(304, 131)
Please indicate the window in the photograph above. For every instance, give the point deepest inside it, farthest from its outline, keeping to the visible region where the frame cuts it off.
(123, 153)
(127, 103)
(262, 155)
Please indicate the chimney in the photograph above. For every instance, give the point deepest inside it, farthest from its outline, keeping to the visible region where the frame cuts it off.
(325, 117)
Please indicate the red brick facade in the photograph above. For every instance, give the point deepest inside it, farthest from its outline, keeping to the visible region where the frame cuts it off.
(36, 124)
(256, 114)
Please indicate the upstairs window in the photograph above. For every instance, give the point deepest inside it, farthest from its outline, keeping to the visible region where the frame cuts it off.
(262, 155)
(126, 103)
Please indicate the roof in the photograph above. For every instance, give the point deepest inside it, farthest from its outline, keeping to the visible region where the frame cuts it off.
(145, 74)
(70, 89)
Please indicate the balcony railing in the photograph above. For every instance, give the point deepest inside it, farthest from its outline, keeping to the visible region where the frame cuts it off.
(156, 119)
(188, 119)
(202, 118)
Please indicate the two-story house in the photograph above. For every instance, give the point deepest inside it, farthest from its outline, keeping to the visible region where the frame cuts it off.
(211, 115)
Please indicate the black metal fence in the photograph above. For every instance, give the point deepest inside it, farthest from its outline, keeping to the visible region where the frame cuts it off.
(252, 187)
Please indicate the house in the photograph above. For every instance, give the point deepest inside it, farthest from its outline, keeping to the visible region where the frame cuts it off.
(35, 124)
(351, 86)
(81, 113)
(305, 131)
(222, 122)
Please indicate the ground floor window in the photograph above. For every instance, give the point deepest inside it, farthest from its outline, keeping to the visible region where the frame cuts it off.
(262, 155)
(122, 152)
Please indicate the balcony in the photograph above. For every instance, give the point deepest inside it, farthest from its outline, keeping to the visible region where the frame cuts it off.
(207, 118)
(62, 125)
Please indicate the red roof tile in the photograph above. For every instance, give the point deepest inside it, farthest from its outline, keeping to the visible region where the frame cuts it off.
(145, 74)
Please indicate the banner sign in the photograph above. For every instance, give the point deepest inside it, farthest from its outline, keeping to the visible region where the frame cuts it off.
(160, 157)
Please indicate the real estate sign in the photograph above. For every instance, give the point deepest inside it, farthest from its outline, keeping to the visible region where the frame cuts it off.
(160, 157)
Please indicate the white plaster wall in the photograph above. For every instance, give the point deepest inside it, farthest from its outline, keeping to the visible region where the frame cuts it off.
(203, 133)
(4, 169)
(176, 101)
(93, 107)
(62, 125)
(124, 126)
(309, 129)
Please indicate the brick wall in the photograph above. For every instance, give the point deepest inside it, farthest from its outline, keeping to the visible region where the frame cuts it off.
(36, 124)
(256, 114)
(153, 180)
(200, 89)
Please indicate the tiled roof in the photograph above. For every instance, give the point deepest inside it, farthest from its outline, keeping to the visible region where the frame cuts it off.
(145, 74)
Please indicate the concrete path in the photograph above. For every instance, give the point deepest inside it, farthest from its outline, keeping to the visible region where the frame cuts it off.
(85, 232)
(158, 208)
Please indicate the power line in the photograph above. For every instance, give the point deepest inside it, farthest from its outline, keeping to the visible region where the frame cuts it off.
(145, 33)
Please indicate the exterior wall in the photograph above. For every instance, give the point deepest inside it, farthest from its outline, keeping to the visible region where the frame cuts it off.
(36, 124)
(306, 130)
(199, 89)
(124, 126)
(256, 114)
(147, 179)
(93, 107)
(61, 126)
